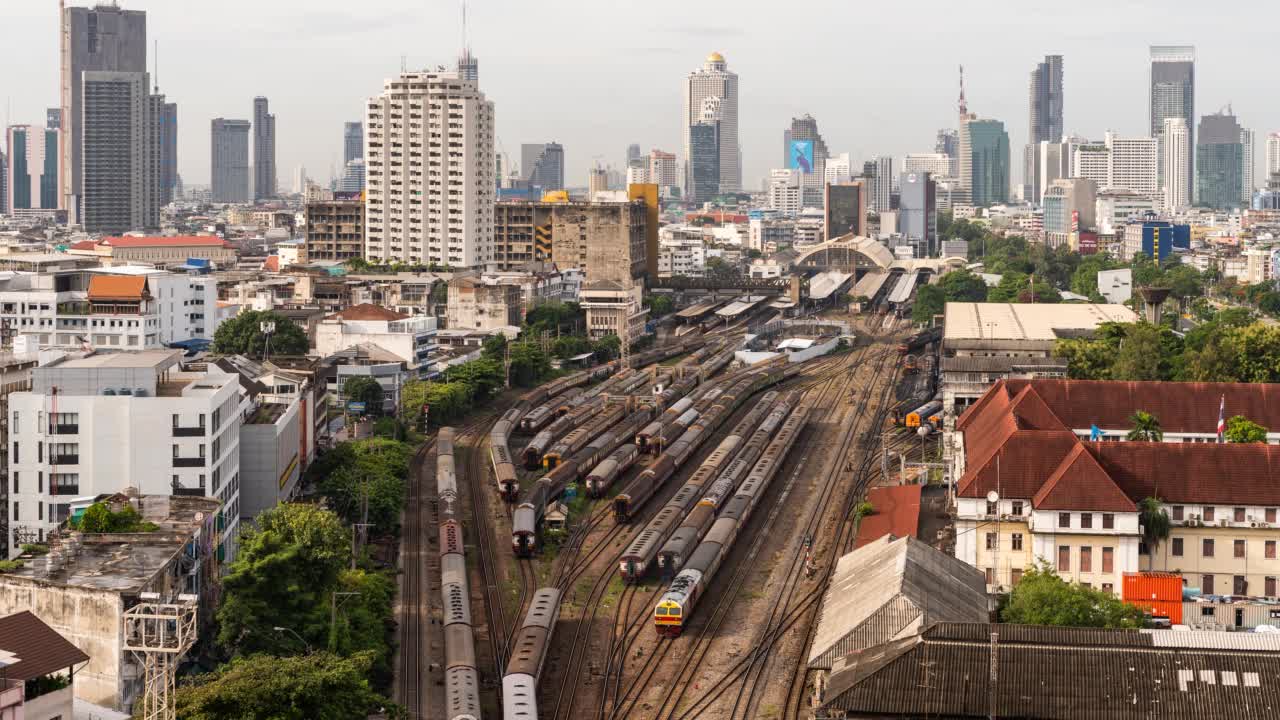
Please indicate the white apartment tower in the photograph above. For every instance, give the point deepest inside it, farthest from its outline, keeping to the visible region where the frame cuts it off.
(714, 80)
(1273, 156)
(1133, 164)
(430, 171)
(1246, 168)
(1176, 141)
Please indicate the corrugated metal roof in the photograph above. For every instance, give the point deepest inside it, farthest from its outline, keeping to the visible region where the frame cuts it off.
(1000, 363)
(1026, 321)
(885, 586)
(39, 648)
(1053, 673)
(1215, 640)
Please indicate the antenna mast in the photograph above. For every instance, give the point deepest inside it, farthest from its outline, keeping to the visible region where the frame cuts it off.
(964, 106)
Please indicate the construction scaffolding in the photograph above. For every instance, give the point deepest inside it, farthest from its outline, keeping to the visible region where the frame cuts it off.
(160, 634)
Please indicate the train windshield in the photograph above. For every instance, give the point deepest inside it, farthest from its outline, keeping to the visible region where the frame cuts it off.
(661, 611)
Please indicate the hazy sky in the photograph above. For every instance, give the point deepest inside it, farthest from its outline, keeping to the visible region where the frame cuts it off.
(880, 77)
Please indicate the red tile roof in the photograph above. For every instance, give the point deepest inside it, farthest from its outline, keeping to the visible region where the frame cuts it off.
(1194, 473)
(367, 311)
(40, 649)
(1080, 482)
(272, 263)
(131, 288)
(83, 245)
(129, 241)
(1021, 464)
(897, 513)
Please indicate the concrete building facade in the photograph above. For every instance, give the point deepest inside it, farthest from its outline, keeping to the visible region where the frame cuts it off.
(32, 175)
(918, 212)
(714, 79)
(335, 230)
(542, 165)
(230, 160)
(1175, 147)
(120, 162)
(1173, 95)
(264, 151)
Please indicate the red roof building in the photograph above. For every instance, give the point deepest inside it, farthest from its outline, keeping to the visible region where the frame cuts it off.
(896, 512)
(1045, 472)
(158, 250)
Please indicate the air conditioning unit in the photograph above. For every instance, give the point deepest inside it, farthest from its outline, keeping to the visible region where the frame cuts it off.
(1195, 517)
(1223, 523)
(1193, 523)
(1264, 524)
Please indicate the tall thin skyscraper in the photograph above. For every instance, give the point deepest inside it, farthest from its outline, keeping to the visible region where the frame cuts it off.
(120, 157)
(714, 80)
(32, 176)
(264, 151)
(633, 154)
(1046, 101)
(413, 218)
(984, 161)
(1173, 95)
(103, 39)
(352, 141)
(1247, 169)
(1176, 144)
(805, 129)
(167, 125)
(1219, 162)
(468, 67)
(230, 160)
(1272, 165)
(948, 143)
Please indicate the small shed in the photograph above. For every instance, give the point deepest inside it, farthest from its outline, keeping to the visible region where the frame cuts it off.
(557, 516)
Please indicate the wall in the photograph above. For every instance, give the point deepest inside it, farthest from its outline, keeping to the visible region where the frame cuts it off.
(57, 704)
(269, 462)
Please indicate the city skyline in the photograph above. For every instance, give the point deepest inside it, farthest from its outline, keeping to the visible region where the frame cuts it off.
(1105, 90)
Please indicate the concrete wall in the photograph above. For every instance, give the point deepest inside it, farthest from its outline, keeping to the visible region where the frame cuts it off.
(270, 465)
(57, 704)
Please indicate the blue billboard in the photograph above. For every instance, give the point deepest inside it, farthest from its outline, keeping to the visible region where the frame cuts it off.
(800, 156)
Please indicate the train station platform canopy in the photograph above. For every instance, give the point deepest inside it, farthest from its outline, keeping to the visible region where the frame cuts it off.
(824, 285)
(740, 306)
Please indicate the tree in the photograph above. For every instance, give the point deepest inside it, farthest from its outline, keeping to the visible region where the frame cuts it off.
(718, 269)
(317, 686)
(569, 346)
(494, 347)
(1043, 598)
(607, 348)
(528, 363)
(659, 305)
(555, 317)
(1087, 359)
(1146, 427)
(963, 286)
(1007, 290)
(1084, 280)
(282, 576)
(930, 301)
(1241, 429)
(372, 478)
(1139, 354)
(483, 377)
(242, 335)
(1155, 522)
(365, 390)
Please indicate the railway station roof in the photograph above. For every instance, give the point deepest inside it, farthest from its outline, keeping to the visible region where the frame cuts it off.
(888, 590)
(1027, 322)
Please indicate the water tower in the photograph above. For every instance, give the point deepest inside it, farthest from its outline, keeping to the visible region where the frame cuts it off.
(1153, 298)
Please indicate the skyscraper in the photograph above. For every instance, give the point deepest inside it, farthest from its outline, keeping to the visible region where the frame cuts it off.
(106, 39)
(1173, 95)
(1046, 101)
(633, 154)
(120, 158)
(844, 209)
(704, 153)
(1272, 165)
(1132, 164)
(4, 184)
(984, 161)
(53, 121)
(446, 219)
(948, 143)
(230, 160)
(1247, 166)
(811, 150)
(879, 175)
(264, 151)
(32, 176)
(714, 80)
(1219, 162)
(918, 212)
(543, 165)
(468, 67)
(1176, 144)
(352, 141)
(167, 126)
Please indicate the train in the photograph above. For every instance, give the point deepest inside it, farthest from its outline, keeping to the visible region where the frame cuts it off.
(920, 340)
(504, 469)
(677, 604)
(640, 554)
(928, 415)
(462, 678)
(610, 469)
(528, 654)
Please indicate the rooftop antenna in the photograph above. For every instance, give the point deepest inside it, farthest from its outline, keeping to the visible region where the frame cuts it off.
(964, 106)
(404, 63)
(464, 24)
(155, 72)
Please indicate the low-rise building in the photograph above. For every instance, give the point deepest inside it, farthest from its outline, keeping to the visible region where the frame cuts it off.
(87, 582)
(410, 338)
(37, 670)
(102, 423)
(158, 251)
(1116, 285)
(483, 302)
(1045, 471)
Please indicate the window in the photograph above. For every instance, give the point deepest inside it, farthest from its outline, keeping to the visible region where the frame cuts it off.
(1064, 520)
(1269, 586)
(1206, 585)
(39, 451)
(175, 420)
(991, 576)
(1177, 513)
(15, 422)
(992, 544)
(1208, 514)
(1269, 548)
(1086, 559)
(1271, 515)
(1237, 549)
(1015, 576)
(15, 490)
(1108, 560)
(40, 511)
(1176, 547)
(1017, 507)
(1207, 611)
(1109, 588)
(1086, 520)
(17, 512)
(1238, 585)
(1108, 521)
(1207, 548)
(1016, 541)
(175, 451)
(991, 508)
(1064, 558)
(1237, 515)
(40, 481)
(15, 452)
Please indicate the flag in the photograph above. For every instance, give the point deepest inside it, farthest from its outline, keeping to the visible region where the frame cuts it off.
(1095, 433)
(1222, 418)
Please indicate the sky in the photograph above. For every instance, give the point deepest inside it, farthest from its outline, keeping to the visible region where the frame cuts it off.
(597, 75)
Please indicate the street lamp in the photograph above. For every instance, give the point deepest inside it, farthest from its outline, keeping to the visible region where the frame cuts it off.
(294, 633)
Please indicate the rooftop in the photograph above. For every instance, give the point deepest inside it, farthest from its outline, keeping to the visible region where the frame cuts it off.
(1027, 321)
(897, 513)
(36, 648)
(176, 241)
(123, 288)
(157, 359)
(367, 311)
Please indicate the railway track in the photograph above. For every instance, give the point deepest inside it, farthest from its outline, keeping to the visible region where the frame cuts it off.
(413, 594)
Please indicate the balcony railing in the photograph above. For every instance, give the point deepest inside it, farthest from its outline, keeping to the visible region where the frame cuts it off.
(65, 490)
(188, 432)
(188, 462)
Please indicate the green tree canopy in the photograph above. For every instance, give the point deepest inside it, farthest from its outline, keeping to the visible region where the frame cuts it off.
(242, 335)
(318, 686)
(1155, 522)
(495, 347)
(721, 269)
(1146, 427)
(659, 305)
(963, 286)
(555, 317)
(366, 390)
(1139, 354)
(376, 467)
(930, 301)
(1241, 429)
(1043, 598)
(529, 364)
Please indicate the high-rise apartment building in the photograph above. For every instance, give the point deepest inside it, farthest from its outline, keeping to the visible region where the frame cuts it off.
(633, 154)
(704, 161)
(31, 181)
(119, 162)
(664, 171)
(1046, 101)
(543, 165)
(264, 151)
(4, 188)
(469, 67)
(918, 212)
(948, 143)
(1247, 166)
(352, 141)
(1133, 164)
(167, 127)
(1070, 205)
(53, 118)
(1052, 162)
(839, 169)
(714, 80)
(430, 186)
(1173, 95)
(229, 160)
(844, 209)
(984, 161)
(1091, 161)
(335, 230)
(99, 39)
(879, 177)
(1219, 162)
(1272, 165)
(938, 165)
(1175, 141)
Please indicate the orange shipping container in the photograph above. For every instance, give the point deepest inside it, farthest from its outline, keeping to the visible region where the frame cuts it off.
(1161, 608)
(1165, 587)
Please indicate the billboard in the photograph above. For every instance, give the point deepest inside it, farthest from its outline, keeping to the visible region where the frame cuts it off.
(800, 156)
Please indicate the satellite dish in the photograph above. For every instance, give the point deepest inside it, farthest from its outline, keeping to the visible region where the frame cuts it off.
(993, 496)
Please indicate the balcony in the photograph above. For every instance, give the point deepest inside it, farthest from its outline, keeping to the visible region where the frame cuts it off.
(72, 429)
(188, 431)
(64, 459)
(181, 462)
